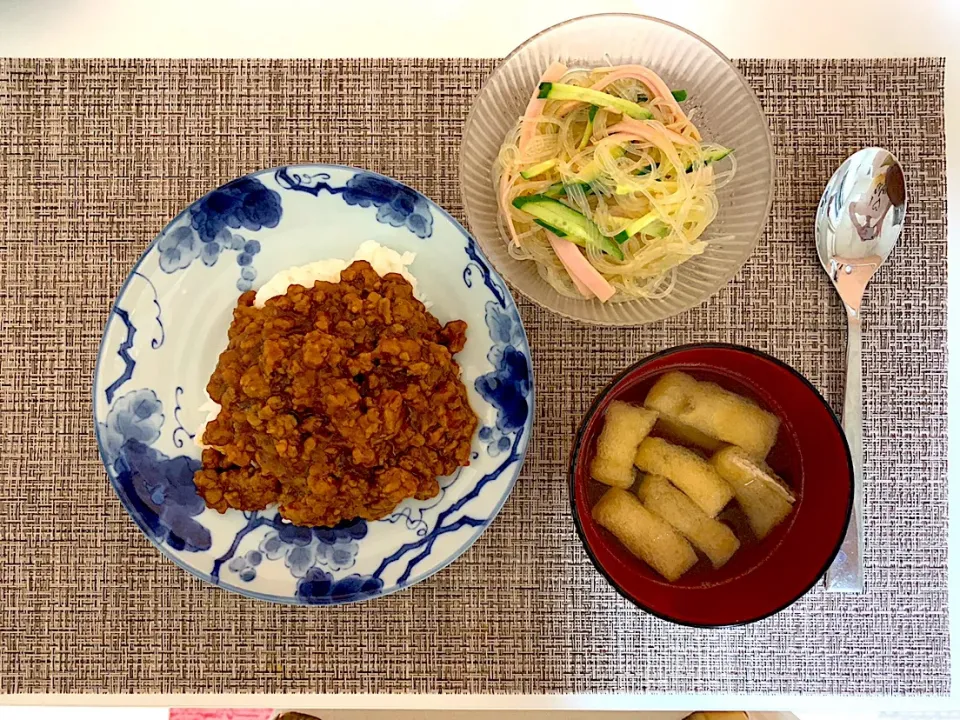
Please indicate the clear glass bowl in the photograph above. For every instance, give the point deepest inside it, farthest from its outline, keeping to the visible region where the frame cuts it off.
(727, 112)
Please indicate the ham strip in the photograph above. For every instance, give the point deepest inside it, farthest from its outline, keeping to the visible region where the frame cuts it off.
(628, 124)
(585, 276)
(644, 132)
(535, 107)
(528, 129)
(649, 78)
(506, 180)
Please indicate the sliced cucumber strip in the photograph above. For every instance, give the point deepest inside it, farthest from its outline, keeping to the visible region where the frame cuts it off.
(576, 226)
(678, 95)
(538, 169)
(712, 156)
(560, 91)
(636, 226)
(588, 130)
(556, 231)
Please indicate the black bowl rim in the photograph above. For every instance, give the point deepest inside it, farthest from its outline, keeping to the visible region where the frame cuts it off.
(578, 444)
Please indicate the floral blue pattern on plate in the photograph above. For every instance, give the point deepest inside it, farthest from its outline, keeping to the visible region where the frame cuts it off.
(168, 326)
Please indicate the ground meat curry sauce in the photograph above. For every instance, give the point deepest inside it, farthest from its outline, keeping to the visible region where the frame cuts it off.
(337, 402)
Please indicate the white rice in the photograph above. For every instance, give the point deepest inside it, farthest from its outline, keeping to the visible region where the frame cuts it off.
(383, 260)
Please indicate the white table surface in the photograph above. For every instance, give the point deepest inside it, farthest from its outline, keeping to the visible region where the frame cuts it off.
(492, 28)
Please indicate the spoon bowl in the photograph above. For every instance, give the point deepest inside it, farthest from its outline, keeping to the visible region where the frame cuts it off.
(859, 221)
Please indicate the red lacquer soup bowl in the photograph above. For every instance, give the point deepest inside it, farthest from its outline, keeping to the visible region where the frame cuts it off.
(811, 454)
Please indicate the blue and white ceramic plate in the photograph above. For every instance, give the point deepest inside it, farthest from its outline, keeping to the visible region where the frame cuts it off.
(168, 327)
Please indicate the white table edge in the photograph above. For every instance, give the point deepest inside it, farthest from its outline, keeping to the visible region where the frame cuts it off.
(413, 701)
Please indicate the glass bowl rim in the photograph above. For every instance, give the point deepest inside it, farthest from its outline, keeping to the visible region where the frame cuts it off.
(714, 286)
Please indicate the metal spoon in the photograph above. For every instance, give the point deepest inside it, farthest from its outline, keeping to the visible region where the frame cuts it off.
(859, 220)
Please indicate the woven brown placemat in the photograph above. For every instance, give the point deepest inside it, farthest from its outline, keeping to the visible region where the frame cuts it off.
(96, 156)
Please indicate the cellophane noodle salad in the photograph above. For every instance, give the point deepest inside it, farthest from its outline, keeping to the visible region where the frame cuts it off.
(606, 183)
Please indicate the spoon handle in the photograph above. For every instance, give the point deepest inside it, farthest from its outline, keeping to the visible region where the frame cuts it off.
(846, 573)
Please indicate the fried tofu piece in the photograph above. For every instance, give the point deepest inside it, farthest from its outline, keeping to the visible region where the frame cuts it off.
(610, 472)
(716, 412)
(683, 434)
(687, 470)
(765, 499)
(644, 534)
(624, 428)
(709, 536)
